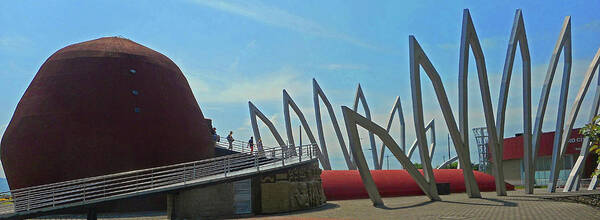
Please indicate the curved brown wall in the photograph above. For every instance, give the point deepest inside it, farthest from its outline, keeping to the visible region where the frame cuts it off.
(78, 116)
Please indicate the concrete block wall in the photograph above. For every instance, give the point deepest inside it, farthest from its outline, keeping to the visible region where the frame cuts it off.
(294, 188)
(206, 202)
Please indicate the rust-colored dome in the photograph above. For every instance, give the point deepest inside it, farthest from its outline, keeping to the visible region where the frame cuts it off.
(102, 106)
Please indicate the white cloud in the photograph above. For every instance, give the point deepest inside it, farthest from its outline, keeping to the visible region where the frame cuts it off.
(280, 18)
(265, 87)
(13, 42)
(233, 67)
(593, 25)
(337, 66)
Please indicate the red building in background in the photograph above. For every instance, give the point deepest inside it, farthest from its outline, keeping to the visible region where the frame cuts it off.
(513, 158)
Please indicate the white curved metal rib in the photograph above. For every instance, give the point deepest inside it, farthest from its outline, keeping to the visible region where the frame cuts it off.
(426, 182)
(318, 92)
(572, 116)
(594, 181)
(430, 127)
(448, 162)
(518, 35)
(396, 108)
(418, 58)
(360, 96)
(254, 112)
(287, 102)
(564, 42)
(469, 39)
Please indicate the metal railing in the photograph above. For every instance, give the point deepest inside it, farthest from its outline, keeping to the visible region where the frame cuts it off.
(119, 185)
(241, 146)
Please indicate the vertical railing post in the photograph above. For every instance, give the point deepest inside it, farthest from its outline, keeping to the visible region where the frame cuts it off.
(256, 162)
(195, 168)
(84, 191)
(103, 187)
(184, 175)
(300, 156)
(224, 165)
(53, 201)
(152, 178)
(28, 201)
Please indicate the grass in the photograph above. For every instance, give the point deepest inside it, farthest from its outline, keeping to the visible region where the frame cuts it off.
(537, 187)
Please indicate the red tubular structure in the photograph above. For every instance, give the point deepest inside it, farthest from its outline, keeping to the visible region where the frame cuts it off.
(347, 184)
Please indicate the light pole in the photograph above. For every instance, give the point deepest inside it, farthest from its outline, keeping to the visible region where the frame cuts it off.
(448, 143)
(387, 160)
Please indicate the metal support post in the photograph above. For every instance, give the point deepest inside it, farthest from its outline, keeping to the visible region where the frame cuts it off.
(256, 162)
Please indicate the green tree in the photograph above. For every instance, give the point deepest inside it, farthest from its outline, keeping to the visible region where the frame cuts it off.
(453, 165)
(592, 131)
(418, 165)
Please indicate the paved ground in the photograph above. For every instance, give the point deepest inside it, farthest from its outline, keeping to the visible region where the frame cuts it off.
(516, 205)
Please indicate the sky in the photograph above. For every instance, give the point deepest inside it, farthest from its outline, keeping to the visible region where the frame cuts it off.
(232, 52)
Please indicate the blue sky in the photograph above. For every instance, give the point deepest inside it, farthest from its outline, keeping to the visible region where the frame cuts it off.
(235, 51)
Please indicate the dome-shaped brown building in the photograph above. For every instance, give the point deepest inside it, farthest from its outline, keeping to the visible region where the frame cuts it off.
(99, 107)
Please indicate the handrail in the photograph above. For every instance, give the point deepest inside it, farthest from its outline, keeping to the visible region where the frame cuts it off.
(93, 189)
(240, 146)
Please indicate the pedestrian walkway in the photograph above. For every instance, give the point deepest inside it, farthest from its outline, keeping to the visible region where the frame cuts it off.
(517, 205)
(48, 198)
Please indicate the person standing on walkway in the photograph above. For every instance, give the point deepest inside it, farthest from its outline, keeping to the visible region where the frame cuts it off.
(259, 144)
(230, 139)
(214, 135)
(251, 144)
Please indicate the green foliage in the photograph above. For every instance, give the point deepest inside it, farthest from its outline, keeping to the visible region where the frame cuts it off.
(592, 131)
(453, 165)
(418, 165)
(475, 166)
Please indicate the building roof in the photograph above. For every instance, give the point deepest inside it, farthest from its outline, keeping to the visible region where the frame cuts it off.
(513, 146)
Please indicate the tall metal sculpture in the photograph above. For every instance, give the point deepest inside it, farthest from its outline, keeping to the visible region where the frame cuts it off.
(594, 181)
(287, 102)
(318, 92)
(518, 35)
(396, 108)
(430, 127)
(459, 133)
(360, 96)
(564, 41)
(572, 116)
(254, 112)
(469, 39)
(557, 151)
(418, 59)
(426, 181)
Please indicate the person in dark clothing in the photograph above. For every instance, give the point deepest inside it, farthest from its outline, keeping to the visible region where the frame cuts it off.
(214, 134)
(230, 140)
(251, 144)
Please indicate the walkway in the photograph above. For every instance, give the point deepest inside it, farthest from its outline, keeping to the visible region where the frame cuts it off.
(83, 192)
(517, 205)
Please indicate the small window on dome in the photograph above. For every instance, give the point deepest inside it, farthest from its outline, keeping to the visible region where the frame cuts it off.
(132, 71)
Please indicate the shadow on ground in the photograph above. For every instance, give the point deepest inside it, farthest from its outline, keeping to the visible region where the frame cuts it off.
(326, 206)
(475, 202)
